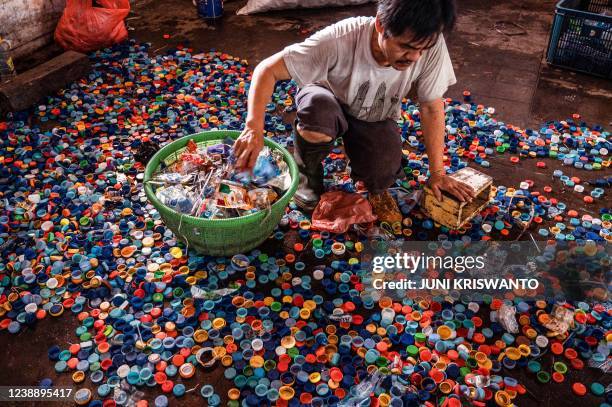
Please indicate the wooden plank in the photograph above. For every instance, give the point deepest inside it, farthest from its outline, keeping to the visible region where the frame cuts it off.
(29, 87)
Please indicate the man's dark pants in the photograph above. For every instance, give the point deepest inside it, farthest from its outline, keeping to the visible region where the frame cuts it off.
(374, 148)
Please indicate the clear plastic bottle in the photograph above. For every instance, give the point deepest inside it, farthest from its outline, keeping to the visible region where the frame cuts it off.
(359, 394)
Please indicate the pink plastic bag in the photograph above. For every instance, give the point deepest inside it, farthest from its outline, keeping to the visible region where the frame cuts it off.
(86, 28)
(338, 210)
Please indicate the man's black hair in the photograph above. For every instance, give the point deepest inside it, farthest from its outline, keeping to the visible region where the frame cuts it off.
(425, 19)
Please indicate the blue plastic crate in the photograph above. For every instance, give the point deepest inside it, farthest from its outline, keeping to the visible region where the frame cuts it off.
(581, 37)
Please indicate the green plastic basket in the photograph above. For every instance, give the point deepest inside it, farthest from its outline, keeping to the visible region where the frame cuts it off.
(219, 237)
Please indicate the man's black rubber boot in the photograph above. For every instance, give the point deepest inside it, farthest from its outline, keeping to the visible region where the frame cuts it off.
(308, 157)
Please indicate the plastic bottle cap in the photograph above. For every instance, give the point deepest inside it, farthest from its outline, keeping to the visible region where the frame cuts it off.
(82, 396)
(286, 393)
(598, 389)
(556, 348)
(579, 389)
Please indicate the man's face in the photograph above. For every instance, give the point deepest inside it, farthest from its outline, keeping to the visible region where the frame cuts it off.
(402, 51)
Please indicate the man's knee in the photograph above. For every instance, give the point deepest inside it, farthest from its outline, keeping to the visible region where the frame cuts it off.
(320, 118)
(313, 136)
(325, 101)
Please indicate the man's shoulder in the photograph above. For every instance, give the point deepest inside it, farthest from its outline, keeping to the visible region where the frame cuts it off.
(435, 54)
(350, 25)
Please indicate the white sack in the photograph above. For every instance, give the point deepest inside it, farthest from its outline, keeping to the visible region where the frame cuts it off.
(259, 6)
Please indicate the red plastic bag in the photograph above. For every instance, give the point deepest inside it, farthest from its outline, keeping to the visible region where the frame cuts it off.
(85, 28)
(337, 211)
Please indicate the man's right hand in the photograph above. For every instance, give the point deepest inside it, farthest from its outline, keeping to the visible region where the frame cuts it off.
(251, 141)
(247, 148)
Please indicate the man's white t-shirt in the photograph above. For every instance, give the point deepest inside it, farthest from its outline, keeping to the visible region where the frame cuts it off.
(339, 58)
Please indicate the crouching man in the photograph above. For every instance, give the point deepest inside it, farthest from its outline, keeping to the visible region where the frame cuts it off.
(352, 77)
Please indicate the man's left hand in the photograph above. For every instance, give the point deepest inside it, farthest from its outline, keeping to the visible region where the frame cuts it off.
(439, 183)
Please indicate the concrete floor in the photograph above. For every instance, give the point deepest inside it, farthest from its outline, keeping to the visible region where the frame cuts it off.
(501, 70)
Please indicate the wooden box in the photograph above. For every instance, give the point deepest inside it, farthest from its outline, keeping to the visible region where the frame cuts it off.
(451, 212)
(29, 87)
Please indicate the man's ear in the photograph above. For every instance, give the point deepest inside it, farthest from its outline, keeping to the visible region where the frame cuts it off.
(378, 25)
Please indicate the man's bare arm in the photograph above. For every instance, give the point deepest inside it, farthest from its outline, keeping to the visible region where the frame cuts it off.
(265, 76)
(433, 123)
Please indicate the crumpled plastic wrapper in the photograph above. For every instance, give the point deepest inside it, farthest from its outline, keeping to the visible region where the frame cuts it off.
(605, 366)
(506, 317)
(338, 210)
(176, 197)
(203, 294)
(562, 319)
(479, 381)
(282, 181)
(262, 197)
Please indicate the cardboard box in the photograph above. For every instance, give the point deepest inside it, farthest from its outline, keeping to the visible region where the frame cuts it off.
(451, 212)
